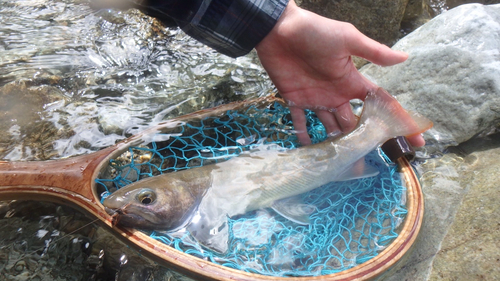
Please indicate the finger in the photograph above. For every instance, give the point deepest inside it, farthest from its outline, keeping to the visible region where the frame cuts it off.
(345, 117)
(416, 140)
(362, 46)
(329, 121)
(299, 124)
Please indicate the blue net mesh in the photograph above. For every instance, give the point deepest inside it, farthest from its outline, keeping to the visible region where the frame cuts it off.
(355, 220)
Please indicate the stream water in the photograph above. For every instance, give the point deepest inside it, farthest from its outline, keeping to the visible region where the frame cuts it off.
(74, 80)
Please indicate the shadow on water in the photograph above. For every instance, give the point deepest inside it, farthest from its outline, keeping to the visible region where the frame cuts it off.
(476, 144)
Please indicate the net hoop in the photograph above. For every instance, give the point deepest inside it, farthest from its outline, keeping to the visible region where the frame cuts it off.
(200, 268)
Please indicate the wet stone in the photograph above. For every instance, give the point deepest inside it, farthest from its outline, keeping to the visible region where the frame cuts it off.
(24, 113)
(470, 250)
(459, 237)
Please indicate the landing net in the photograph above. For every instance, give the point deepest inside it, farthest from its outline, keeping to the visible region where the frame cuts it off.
(355, 220)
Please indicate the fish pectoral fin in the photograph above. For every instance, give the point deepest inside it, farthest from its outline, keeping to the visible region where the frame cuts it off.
(212, 234)
(294, 209)
(358, 170)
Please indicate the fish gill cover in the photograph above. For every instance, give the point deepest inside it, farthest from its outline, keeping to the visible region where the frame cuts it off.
(355, 220)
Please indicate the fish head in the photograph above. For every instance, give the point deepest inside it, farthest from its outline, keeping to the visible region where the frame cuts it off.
(146, 205)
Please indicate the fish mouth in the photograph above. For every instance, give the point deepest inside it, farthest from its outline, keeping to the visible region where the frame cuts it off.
(113, 212)
(122, 218)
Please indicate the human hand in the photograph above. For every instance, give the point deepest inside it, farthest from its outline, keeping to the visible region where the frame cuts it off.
(308, 58)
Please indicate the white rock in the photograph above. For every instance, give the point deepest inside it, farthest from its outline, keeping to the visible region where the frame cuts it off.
(453, 73)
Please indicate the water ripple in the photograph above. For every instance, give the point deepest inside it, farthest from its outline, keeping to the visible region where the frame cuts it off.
(107, 74)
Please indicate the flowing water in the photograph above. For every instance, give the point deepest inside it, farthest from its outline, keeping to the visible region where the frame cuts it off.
(74, 80)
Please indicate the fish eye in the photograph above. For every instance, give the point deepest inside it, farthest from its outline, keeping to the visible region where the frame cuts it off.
(146, 196)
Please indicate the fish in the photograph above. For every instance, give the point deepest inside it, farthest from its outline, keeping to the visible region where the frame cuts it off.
(201, 199)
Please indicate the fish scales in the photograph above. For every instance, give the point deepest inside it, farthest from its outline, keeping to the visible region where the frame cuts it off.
(308, 174)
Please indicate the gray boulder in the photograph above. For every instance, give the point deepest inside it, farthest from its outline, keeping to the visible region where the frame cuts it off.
(452, 75)
(381, 20)
(455, 3)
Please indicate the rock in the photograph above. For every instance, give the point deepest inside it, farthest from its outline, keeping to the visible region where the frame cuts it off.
(451, 75)
(25, 113)
(456, 3)
(458, 239)
(380, 20)
(414, 9)
(417, 13)
(475, 233)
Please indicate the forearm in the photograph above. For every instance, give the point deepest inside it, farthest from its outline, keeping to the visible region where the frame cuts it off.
(232, 27)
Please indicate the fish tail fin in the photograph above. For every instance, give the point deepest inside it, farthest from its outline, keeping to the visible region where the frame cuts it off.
(399, 122)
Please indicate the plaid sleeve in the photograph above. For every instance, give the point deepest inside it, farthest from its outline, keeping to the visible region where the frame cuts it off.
(232, 27)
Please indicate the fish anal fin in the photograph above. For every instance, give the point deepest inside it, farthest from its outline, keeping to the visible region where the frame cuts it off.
(294, 209)
(358, 170)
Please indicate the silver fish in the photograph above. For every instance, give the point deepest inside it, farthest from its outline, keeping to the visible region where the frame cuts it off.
(202, 198)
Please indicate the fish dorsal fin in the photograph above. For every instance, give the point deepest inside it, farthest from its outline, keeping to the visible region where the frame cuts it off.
(294, 209)
(358, 170)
